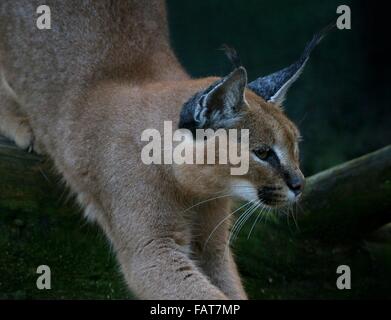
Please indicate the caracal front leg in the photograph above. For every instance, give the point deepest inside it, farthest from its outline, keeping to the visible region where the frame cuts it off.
(214, 253)
(152, 251)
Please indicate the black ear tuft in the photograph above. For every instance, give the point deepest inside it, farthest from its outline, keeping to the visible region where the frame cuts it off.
(232, 55)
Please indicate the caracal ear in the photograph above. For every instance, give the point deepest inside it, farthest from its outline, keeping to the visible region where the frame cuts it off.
(228, 95)
(219, 106)
(274, 87)
(224, 104)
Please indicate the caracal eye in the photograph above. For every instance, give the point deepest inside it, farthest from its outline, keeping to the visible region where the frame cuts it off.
(263, 153)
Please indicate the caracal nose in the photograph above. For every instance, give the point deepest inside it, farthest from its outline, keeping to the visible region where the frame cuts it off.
(296, 184)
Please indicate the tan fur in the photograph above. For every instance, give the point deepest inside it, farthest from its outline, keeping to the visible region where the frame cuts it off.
(86, 93)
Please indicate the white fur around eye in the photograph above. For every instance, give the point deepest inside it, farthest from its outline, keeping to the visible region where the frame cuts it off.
(244, 190)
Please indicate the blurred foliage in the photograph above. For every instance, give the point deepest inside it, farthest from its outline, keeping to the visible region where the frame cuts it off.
(341, 101)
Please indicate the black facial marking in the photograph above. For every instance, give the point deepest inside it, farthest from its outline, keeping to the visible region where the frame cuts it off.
(271, 158)
(270, 196)
(275, 163)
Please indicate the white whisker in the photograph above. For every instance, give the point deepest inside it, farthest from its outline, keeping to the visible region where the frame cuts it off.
(207, 200)
(255, 221)
(222, 221)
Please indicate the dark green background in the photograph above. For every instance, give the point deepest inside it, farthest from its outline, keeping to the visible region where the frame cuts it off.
(341, 101)
(341, 104)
